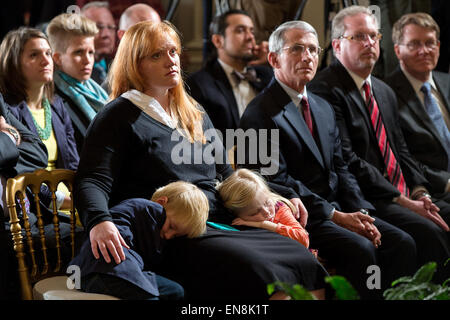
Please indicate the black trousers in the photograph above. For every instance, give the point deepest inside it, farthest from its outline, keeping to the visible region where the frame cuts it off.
(432, 242)
(351, 254)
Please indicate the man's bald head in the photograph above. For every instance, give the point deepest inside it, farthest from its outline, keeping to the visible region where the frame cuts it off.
(136, 13)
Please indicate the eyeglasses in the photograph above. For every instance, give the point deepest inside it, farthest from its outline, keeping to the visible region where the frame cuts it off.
(361, 37)
(299, 49)
(416, 45)
(108, 27)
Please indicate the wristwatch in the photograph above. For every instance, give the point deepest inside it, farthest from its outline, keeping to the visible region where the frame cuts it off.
(14, 133)
(364, 211)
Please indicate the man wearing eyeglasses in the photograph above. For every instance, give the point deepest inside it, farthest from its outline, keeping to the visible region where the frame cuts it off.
(312, 168)
(424, 113)
(372, 141)
(105, 40)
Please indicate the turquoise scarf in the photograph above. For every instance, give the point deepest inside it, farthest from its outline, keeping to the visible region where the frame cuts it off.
(88, 96)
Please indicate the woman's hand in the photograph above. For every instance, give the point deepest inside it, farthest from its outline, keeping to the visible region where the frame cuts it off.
(106, 237)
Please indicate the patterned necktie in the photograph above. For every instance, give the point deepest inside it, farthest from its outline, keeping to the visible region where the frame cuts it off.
(436, 117)
(249, 75)
(393, 169)
(307, 115)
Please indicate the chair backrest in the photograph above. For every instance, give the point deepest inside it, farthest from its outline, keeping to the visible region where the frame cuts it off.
(33, 258)
(231, 157)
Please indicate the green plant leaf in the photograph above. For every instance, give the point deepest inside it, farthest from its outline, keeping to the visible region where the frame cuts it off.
(425, 273)
(296, 291)
(343, 288)
(270, 288)
(402, 280)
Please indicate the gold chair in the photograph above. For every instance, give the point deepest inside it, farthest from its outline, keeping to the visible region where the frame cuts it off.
(231, 157)
(38, 279)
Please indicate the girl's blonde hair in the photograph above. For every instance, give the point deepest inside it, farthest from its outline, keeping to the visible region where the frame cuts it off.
(240, 188)
(65, 26)
(188, 204)
(137, 43)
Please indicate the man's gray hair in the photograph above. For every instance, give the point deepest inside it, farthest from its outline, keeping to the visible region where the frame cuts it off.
(277, 39)
(337, 25)
(95, 4)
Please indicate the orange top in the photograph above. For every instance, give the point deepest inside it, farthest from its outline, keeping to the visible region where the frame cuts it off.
(287, 225)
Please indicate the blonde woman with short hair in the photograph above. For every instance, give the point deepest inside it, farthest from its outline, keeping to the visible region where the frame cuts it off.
(71, 37)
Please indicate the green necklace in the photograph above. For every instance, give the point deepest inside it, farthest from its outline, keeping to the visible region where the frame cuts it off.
(44, 134)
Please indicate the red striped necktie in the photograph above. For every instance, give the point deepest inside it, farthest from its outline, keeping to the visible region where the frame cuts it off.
(393, 169)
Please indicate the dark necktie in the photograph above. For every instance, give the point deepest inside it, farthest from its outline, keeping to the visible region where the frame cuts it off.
(307, 115)
(436, 117)
(393, 169)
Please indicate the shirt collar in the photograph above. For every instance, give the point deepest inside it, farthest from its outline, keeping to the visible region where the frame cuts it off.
(295, 96)
(416, 83)
(229, 71)
(359, 81)
(150, 106)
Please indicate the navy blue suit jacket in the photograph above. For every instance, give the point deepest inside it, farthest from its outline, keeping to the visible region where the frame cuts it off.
(316, 171)
(62, 126)
(421, 136)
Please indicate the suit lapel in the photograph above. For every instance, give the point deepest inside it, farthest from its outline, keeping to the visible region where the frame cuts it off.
(443, 86)
(356, 97)
(224, 86)
(319, 118)
(292, 115)
(407, 94)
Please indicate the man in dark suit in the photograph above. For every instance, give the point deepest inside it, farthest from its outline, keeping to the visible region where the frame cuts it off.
(372, 141)
(227, 83)
(310, 164)
(426, 129)
(20, 151)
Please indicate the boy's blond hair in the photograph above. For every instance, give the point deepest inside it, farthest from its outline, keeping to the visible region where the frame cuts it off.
(240, 188)
(65, 26)
(188, 204)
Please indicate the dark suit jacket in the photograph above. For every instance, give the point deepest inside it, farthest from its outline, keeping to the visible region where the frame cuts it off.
(210, 88)
(421, 136)
(359, 143)
(62, 126)
(316, 172)
(31, 154)
(80, 122)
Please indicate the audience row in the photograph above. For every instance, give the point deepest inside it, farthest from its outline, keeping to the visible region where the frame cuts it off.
(362, 169)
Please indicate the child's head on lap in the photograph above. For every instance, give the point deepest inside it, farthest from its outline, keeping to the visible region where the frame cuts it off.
(186, 209)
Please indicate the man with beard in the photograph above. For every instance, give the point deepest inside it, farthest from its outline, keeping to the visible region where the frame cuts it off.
(372, 141)
(227, 83)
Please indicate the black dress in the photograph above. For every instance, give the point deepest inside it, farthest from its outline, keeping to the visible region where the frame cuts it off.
(127, 154)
